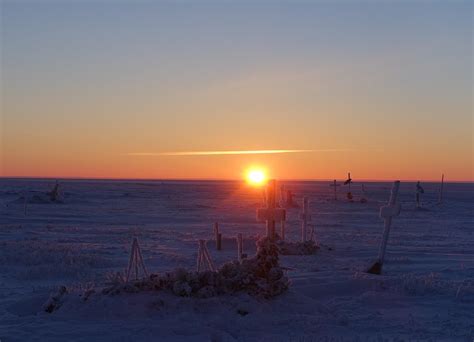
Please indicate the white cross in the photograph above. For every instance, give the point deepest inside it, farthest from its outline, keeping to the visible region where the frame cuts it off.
(271, 214)
(305, 217)
(387, 213)
(335, 185)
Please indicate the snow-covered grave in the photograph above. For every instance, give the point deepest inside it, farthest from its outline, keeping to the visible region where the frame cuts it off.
(271, 215)
(63, 257)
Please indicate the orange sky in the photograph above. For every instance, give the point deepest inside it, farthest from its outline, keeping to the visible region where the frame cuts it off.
(382, 91)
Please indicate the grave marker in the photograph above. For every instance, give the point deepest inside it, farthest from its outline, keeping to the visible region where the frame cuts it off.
(240, 247)
(54, 193)
(136, 260)
(25, 203)
(348, 181)
(217, 236)
(419, 191)
(335, 185)
(363, 199)
(387, 213)
(282, 232)
(305, 217)
(204, 256)
(271, 214)
(440, 198)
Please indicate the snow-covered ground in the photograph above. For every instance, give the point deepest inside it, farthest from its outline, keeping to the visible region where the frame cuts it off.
(426, 291)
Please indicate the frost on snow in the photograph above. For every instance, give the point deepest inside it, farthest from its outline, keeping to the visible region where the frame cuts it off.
(260, 276)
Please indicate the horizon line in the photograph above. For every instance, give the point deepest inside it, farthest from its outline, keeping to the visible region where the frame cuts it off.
(229, 179)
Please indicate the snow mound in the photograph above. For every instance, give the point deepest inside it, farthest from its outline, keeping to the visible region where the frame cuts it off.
(297, 248)
(260, 276)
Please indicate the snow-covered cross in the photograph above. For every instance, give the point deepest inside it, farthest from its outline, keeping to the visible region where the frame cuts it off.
(335, 185)
(271, 214)
(305, 217)
(387, 213)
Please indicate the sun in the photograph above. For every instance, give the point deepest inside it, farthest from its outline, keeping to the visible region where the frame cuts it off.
(256, 177)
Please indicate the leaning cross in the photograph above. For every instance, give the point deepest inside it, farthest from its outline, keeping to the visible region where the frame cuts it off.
(387, 213)
(305, 217)
(271, 214)
(335, 185)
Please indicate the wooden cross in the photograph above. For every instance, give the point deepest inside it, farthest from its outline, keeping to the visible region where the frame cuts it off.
(335, 185)
(348, 180)
(136, 260)
(387, 213)
(271, 214)
(305, 217)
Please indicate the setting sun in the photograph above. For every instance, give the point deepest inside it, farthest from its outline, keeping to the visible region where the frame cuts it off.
(256, 176)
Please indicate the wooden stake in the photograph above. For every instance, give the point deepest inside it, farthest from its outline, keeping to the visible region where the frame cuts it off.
(25, 204)
(217, 236)
(239, 246)
(335, 185)
(219, 242)
(282, 233)
(136, 260)
(204, 256)
(440, 198)
(305, 217)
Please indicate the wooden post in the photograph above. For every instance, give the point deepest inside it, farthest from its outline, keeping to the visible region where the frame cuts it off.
(282, 233)
(348, 182)
(239, 246)
(419, 191)
(440, 198)
(25, 204)
(204, 256)
(305, 217)
(282, 195)
(136, 260)
(335, 185)
(217, 236)
(271, 203)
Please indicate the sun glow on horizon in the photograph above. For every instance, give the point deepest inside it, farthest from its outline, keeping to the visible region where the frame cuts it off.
(256, 176)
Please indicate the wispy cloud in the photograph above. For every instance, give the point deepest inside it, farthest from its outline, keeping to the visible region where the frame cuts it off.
(232, 152)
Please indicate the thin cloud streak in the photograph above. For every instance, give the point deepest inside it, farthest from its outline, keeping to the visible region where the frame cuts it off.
(221, 153)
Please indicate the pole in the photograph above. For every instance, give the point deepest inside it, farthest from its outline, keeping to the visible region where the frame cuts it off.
(388, 221)
(440, 199)
(304, 224)
(271, 204)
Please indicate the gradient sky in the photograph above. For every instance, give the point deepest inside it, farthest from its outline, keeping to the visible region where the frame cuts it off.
(105, 88)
